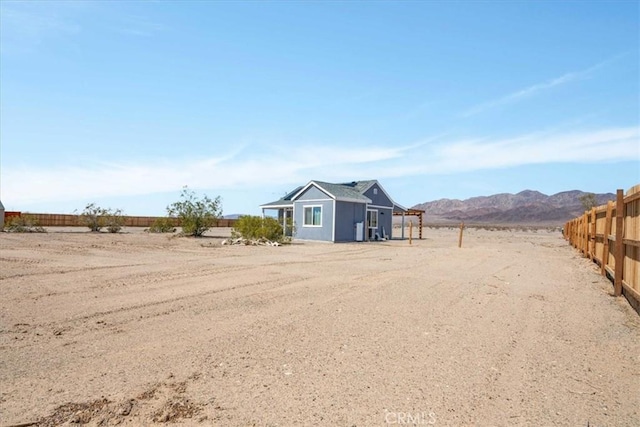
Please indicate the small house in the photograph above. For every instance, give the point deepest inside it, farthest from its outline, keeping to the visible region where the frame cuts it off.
(348, 212)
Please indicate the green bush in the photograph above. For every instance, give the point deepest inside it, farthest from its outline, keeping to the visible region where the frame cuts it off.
(162, 225)
(95, 218)
(114, 221)
(23, 224)
(196, 215)
(254, 228)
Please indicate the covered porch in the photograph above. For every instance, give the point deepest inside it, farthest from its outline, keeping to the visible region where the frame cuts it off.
(284, 214)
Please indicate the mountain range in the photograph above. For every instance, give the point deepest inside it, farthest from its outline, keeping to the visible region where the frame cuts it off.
(526, 207)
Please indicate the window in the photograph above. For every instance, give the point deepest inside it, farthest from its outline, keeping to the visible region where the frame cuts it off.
(312, 216)
(375, 191)
(372, 218)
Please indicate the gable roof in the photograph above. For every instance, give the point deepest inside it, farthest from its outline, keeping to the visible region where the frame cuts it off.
(348, 192)
(364, 186)
(339, 192)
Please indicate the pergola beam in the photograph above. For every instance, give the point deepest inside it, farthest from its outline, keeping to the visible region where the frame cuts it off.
(412, 212)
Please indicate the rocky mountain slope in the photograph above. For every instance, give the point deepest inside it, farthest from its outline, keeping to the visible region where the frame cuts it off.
(526, 207)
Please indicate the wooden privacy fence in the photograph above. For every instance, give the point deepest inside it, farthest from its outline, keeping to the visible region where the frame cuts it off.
(64, 220)
(610, 236)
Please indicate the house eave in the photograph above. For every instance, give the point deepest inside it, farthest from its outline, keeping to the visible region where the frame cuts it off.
(399, 207)
(282, 206)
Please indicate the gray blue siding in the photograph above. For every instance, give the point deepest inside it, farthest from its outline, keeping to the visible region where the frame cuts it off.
(379, 199)
(313, 193)
(385, 221)
(347, 215)
(314, 233)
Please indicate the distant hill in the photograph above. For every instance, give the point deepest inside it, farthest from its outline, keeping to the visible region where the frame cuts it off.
(526, 207)
(232, 216)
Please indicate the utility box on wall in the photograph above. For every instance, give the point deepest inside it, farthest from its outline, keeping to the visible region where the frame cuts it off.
(359, 231)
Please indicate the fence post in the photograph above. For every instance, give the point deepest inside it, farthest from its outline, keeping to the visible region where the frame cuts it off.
(619, 245)
(592, 234)
(572, 236)
(460, 238)
(585, 235)
(607, 232)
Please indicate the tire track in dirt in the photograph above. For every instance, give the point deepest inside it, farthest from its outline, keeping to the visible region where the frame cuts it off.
(75, 327)
(57, 270)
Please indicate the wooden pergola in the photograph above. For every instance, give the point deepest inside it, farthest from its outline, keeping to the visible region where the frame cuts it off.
(411, 212)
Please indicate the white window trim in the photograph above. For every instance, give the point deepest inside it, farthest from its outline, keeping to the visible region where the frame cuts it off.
(304, 208)
(377, 218)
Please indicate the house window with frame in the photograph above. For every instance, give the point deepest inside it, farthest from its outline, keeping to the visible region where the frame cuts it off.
(372, 218)
(312, 216)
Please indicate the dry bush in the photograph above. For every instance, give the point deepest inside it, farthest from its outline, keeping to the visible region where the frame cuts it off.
(162, 225)
(23, 224)
(96, 217)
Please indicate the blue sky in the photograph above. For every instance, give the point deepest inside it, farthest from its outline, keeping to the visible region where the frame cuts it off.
(124, 103)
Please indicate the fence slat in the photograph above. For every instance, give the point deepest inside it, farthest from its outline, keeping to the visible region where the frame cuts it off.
(607, 232)
(619, 244)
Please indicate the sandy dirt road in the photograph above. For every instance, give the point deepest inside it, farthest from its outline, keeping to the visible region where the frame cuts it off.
(514, 329)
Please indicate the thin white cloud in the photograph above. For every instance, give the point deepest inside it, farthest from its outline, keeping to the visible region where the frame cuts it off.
(278, 166)
(29, 185)
(537, 88)
(138, 26)
(459, 156)
(25, 25)
(604, 145)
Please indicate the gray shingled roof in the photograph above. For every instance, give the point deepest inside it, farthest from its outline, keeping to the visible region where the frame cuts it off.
(278, 203)
(342, 191)
(348, 190)
(362, 186)
(284, 201)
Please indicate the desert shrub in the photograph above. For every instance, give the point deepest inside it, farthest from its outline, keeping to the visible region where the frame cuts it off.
(162, 225)
(196, 215)
(588, 201)
(93, 217)
(114, 220)
(23, 224)
(255, 227)
(96, 217)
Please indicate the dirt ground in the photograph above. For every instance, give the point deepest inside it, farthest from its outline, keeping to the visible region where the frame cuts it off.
(514, 329)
